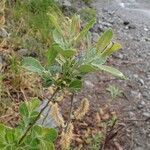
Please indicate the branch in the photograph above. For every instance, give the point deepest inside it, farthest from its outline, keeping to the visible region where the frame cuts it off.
(70, 112)
(37, 118)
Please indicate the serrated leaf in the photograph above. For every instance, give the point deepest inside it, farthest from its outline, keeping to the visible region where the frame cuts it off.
(85, 30)
(111, 70)
(115, 47)
(33, 65)
(104, 40)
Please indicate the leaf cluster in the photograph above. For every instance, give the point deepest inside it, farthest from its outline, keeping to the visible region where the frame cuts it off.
(68, 59)
(38, 137)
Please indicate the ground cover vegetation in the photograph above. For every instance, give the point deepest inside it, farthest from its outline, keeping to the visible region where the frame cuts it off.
(56, 54)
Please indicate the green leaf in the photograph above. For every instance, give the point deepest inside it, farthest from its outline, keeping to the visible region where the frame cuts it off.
(55, 69)
(99, 60)
(50, 134)
(23, 110)
(111, 70)
(75, 85)
(85, 30)
(46, 145)
(68, 53)
(115, 47)
(38, 130)
(87, 68)
(9, 135)
(54, 21)
(51, 54)
(2, 131)
(33, 104)
(75, 25)
(90, 55)
(104, 40)
(58, 38)
(34, 143)
(33, 65)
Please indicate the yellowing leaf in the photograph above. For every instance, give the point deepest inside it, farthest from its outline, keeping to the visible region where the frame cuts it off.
(111, 70)
(104, 40)
(115, 47)
(85, 30)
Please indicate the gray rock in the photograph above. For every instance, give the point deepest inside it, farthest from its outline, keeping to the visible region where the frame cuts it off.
(146, 29)
(118, 55)
(146, 114)
(139, 148)
(49, 122)
(146, 94)
(89, 84)
(132, 115)
(147, 39)
(66, 3)
(23, 52)
(141, 81)
(126, 23)
(95, 37)
(106, 24)
(3, 33)
(132, 26)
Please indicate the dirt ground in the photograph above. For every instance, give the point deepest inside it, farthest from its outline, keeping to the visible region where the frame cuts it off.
(130, 21)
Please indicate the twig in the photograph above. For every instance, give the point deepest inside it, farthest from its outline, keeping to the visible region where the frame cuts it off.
(25, 98)
(70, 112)
(37, 118)
(46, 115)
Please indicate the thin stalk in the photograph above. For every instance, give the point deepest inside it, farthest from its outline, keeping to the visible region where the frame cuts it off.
(70, 112)
(37, 118)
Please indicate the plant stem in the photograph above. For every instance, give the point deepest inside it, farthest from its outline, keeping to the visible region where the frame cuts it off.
(37, 118)
(70, 112)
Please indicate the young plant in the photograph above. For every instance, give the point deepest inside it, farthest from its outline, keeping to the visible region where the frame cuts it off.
(37, 138)
(69, 59)
(95, 141)
(114, 91)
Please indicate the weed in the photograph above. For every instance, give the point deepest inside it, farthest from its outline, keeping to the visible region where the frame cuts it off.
(114, 91)
(95, 141)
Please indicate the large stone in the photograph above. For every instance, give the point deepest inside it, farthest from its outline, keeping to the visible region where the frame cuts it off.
(49, 121)
(23, 52)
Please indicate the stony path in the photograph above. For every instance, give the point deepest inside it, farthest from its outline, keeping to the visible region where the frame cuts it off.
(131, 23)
